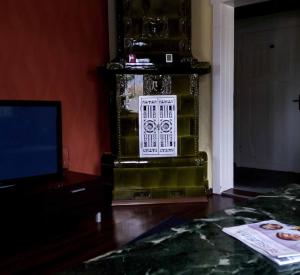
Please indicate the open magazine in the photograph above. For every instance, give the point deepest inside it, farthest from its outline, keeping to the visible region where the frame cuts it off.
(277, 241)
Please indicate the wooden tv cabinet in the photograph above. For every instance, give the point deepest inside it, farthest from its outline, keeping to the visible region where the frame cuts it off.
(33, 206)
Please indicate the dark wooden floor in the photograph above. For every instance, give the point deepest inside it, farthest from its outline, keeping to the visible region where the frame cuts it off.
(62, 247)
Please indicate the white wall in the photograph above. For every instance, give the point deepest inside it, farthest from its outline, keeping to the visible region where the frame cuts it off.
(202, 50)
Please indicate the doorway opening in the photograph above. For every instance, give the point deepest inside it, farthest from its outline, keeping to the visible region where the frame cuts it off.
(267, 96)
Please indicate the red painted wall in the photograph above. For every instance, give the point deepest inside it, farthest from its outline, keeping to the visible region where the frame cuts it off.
(49, 50)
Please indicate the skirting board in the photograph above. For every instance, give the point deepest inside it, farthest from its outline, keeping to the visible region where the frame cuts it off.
(202, 199)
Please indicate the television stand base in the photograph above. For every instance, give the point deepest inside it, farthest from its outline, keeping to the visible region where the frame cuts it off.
(28, 208)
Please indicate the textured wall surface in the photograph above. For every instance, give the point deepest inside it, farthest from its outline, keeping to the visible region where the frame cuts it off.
(49, 51)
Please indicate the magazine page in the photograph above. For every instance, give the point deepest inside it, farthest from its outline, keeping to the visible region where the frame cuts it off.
(277, 241)
(279, 261)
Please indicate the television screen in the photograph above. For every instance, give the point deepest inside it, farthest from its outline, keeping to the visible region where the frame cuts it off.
(30, 139)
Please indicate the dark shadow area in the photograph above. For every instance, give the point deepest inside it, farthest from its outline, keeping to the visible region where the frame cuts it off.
(266, 8)
(261, 180)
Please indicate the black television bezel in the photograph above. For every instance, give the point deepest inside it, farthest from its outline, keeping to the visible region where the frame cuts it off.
(40, 103)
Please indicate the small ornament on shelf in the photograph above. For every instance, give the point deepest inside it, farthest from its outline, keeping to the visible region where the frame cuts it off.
(169, 58)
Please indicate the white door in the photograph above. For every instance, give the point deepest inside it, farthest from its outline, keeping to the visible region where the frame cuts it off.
(267, 80)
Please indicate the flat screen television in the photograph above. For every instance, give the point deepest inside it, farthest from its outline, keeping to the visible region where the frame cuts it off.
(30, 140)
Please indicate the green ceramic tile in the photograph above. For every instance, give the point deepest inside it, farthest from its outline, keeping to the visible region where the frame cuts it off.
(187, 145)
(168, 176)
(129, 146)
(187, 105)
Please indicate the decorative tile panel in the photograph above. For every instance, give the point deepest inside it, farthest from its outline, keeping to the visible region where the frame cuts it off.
(158, 126)
(157, 84)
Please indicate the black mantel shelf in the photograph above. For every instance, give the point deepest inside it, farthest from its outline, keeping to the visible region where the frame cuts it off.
(181, 68)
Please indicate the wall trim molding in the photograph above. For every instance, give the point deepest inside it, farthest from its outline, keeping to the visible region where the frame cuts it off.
(223, 92)
(222, 96)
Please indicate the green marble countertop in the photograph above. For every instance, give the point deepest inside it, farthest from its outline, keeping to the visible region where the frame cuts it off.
(200, 247)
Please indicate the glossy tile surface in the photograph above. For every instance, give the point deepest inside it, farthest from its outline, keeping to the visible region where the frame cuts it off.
(200, 247)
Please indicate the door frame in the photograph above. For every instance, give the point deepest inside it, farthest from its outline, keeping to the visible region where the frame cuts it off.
(223, 92)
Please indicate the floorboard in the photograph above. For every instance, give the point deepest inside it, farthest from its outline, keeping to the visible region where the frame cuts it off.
(66, 248)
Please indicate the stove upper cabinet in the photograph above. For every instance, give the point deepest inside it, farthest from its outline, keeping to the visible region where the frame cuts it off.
(149, 28)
